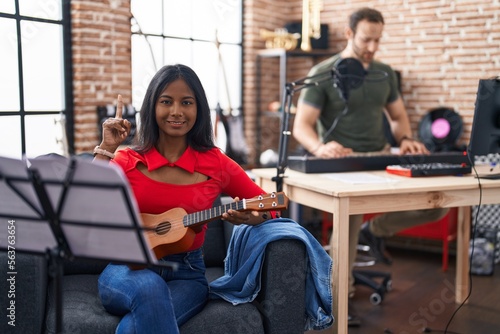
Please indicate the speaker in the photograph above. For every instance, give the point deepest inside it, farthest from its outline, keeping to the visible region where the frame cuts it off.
(320, 43)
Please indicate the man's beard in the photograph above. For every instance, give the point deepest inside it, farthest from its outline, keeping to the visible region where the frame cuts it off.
(364, 57)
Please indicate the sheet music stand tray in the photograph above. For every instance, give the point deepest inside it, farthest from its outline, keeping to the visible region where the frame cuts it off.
(67, 209)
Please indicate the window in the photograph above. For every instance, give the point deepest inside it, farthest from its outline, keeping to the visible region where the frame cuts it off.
(203, 34)
(34, 83)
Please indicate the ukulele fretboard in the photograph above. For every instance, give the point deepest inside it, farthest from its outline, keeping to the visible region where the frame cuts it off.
(212, 213)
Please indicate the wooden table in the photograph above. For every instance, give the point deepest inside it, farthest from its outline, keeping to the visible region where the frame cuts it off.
(382, 192)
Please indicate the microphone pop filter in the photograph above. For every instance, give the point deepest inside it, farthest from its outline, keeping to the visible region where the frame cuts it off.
(348, 74)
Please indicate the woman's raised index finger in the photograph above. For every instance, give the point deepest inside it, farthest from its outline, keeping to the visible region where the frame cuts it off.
(119, 107)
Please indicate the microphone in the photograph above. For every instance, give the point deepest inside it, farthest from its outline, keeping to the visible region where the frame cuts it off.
(348, 74)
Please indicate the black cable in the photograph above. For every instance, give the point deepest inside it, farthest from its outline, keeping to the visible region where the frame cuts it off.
(334, 124)
(473, 237)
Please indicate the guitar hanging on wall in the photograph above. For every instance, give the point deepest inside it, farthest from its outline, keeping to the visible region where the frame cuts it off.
(233, 124)
(171, 232)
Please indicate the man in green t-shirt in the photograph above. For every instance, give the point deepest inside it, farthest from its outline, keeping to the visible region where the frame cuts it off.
(359, 127)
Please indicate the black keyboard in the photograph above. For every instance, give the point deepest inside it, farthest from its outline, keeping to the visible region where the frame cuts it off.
(310, 164)
(429, 169)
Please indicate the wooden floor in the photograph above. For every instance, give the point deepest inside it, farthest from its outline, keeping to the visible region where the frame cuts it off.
(423, 297)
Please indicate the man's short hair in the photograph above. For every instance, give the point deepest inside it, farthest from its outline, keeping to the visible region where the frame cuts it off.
(365, 13)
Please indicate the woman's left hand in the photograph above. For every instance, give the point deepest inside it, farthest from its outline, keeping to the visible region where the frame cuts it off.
(244, 217)
(116, 129)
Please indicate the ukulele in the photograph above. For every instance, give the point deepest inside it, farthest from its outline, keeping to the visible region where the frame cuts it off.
(170, 232)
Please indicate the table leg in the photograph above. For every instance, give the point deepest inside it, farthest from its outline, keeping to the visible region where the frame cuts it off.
(462, 283)
(339, 251)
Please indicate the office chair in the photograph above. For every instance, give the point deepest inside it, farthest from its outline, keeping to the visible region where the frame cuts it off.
(379, 281)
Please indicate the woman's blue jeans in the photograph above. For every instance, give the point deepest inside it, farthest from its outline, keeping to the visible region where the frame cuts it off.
(156, 300)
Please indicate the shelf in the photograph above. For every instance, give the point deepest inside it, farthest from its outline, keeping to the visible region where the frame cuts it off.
(283, 55)
(293, 53)
(271, 113)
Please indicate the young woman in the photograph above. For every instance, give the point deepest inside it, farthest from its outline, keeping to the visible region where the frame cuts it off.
(175, 164)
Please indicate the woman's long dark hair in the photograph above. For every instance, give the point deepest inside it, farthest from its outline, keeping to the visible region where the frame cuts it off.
(200, 137)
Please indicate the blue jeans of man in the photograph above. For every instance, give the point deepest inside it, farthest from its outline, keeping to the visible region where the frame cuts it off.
(156, 300)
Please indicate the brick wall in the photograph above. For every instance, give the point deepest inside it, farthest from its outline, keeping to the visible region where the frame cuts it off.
(442, 49)
(101, 63)
(257, 17)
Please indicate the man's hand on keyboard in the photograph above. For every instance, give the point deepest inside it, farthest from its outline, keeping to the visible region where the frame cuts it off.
(332, 149)
(412, 146)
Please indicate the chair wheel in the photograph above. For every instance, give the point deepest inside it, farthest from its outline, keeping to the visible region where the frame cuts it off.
(376, 298)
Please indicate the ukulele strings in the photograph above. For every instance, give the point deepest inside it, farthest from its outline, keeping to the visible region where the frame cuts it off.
(179, 221)
(196, 217)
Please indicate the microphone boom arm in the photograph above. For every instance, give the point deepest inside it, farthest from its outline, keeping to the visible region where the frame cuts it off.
(290, 89)
(348, 74)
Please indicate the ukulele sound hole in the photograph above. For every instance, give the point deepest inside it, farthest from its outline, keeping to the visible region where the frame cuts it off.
(163, 228)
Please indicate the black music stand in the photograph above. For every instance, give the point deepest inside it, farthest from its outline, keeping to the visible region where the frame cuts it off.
(68, 209)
